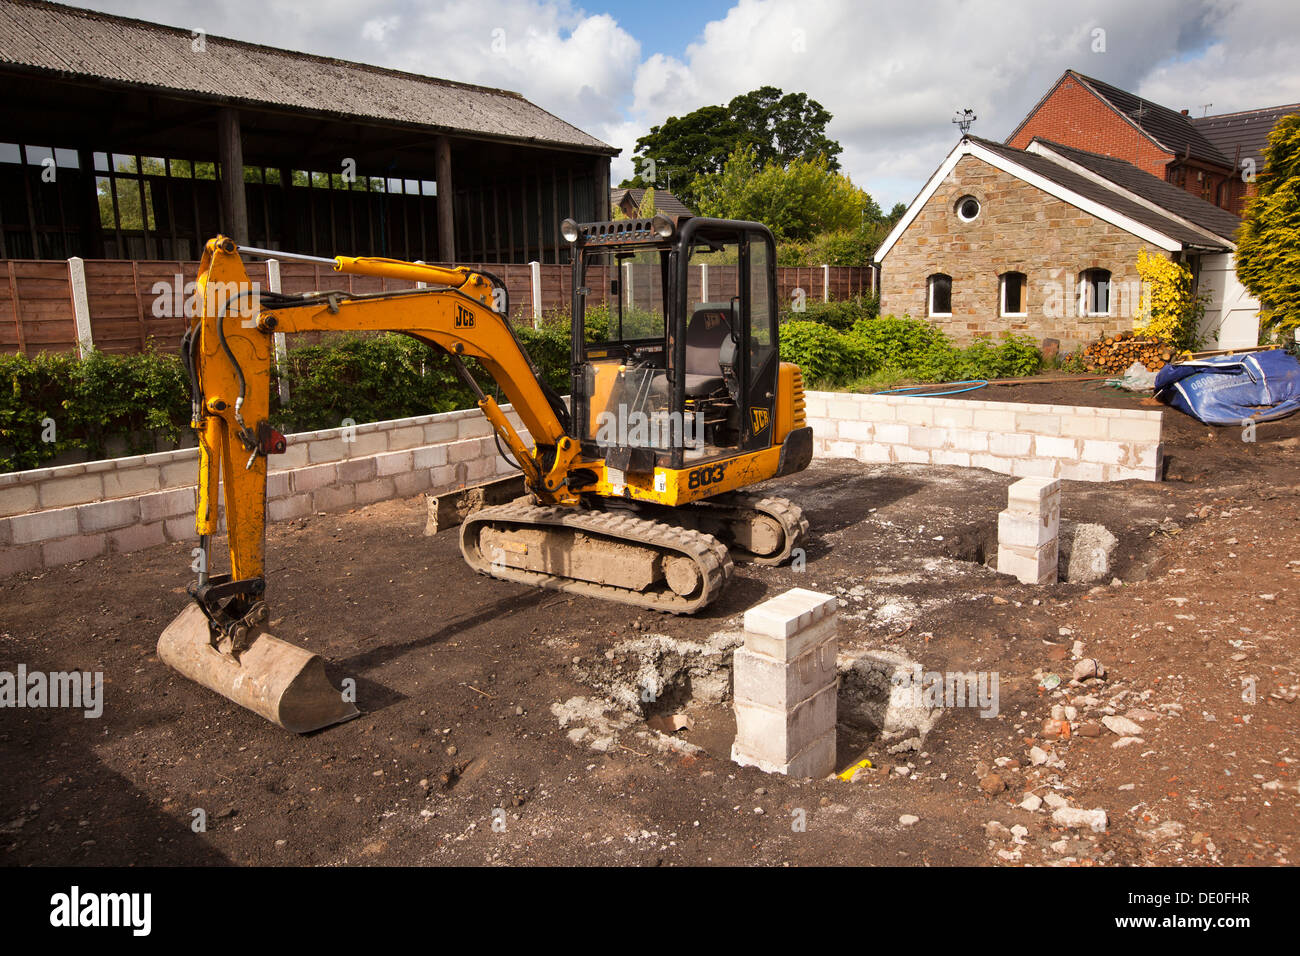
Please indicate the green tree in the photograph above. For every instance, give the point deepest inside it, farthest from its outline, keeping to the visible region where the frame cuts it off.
(778, 127)
(647, 208)
(796, 201)
(1268, 243)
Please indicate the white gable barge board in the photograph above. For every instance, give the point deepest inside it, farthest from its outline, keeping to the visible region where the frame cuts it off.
(1074, 442)
(967, 148)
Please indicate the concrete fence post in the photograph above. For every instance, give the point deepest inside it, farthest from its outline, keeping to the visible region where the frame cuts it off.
(704, 282)
(826, 282)
(421, 285)
(281, 347)
(80, 305)
(535, 268)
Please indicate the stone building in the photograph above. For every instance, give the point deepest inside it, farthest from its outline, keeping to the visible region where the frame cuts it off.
(1045, 241)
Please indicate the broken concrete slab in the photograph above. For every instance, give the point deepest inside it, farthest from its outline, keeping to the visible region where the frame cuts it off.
(1090, 554)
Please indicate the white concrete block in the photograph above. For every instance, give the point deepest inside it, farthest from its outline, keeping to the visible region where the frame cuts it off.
(1032, 494)
(778, 733)
(1065, 449)
(1030, 565)
(906, 454)
(1020, 530)
(104, 515)
(1010, 444)
(1130, 429)
(892, 434)
(768, 682)
(44, 525)
(856, 431)
(817, 760)
(1103, 452)
(785, 615)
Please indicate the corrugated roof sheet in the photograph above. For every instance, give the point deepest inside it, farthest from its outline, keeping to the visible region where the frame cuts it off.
(66, 40)
(1153, 189)
(1055, 172)
(1247, 130)
(1170, 128)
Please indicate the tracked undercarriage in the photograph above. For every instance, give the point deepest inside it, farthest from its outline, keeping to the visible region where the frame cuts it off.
(675, 560)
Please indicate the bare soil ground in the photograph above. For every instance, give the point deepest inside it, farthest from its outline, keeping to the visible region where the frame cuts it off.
(458, 676)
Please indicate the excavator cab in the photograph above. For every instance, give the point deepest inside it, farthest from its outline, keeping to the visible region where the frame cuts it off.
(675, 359)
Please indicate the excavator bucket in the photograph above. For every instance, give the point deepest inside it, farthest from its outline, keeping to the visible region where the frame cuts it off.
(284, 683)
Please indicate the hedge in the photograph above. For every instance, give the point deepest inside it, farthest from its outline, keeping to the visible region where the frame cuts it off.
(143, 400)
(902, 349)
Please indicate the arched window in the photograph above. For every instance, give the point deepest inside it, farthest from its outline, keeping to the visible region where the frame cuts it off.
(940, 294)
(1012, 288)
(1094, 292)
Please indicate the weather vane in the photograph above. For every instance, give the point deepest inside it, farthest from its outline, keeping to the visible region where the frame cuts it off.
(964, 119)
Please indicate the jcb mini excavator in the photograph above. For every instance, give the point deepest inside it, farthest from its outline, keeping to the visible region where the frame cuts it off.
(635, 490)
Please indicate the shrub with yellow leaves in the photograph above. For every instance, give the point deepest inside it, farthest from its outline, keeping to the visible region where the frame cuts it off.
(1171, 310)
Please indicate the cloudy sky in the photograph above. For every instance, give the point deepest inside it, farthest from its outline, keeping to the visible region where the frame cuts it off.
(891, 73)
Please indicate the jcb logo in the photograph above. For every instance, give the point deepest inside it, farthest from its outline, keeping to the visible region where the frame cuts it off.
(464, 318)
(760, 417)
(703, 477)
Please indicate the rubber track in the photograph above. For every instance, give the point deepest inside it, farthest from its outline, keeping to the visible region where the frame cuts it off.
(788, 514)
(709, 554)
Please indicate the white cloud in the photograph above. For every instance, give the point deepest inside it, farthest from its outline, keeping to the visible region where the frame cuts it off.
(892, 74)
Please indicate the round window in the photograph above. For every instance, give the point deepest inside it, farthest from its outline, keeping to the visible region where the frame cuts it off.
(968, 208)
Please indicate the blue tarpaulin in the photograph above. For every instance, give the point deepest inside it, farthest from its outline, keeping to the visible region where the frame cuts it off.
(1233, 389)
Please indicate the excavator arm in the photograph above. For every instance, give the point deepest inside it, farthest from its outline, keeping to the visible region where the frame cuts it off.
(227, 351)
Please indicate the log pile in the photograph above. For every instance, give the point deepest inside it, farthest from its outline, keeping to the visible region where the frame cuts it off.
(1115, 353)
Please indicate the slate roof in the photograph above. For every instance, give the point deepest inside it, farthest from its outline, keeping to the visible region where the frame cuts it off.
(55, 40)
(1099, 192)
(1153, 189)
(1171, 129)
(665, 202)
(1247, 131)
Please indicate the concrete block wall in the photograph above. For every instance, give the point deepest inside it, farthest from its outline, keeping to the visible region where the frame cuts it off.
(1075, 442)
(54, 516)
(786, 686)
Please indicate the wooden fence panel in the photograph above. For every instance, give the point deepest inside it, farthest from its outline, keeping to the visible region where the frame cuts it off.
(132, 303)
(39, 313)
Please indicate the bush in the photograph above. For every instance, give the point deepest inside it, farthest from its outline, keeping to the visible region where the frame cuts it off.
(838, 315)
(820, 352)
(53, 404)
(893, 350)
(367, 379)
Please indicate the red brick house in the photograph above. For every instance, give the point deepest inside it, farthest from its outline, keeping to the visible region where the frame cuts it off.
(1092, 115)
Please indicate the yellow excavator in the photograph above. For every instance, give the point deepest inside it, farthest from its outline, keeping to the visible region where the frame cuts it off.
(635, 488)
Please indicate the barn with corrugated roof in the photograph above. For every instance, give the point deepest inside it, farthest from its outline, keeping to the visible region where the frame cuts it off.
(125, 139)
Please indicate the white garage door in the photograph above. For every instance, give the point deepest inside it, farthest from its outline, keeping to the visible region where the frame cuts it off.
(1231, 315)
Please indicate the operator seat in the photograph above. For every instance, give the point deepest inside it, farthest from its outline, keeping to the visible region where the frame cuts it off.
(710, 325)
